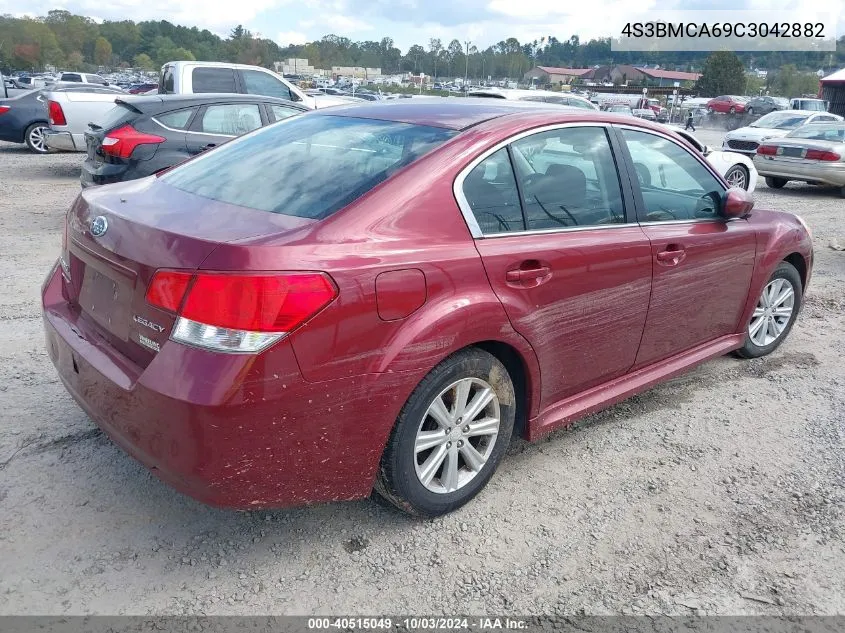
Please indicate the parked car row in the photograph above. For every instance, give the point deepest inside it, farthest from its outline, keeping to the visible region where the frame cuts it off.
(731, 104)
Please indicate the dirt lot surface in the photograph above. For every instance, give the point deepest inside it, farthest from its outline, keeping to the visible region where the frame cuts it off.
(719, 492)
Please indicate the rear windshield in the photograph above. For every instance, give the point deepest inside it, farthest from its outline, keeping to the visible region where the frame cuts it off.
(781, 120)
(117, 116)
(820, 132)
(307, 166)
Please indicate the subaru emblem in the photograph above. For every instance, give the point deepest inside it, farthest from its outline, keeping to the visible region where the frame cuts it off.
(99, 226)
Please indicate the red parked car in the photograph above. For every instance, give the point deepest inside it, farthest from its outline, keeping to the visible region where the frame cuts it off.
(377, 297)
(727, 104)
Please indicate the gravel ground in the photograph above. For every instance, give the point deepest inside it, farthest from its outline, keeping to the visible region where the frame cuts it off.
(718, 492)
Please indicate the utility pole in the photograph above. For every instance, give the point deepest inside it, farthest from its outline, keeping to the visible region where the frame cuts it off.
(466, 64)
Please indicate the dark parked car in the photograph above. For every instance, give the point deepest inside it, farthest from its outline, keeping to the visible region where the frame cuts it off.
(375, 297)
(143, 135)
(764, 105)
(24, 118)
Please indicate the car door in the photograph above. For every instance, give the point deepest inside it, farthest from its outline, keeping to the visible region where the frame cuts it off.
(569, 264)
(702, 264)
(219, 122)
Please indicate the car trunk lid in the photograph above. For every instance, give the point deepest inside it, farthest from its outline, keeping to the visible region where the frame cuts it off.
(118, 236)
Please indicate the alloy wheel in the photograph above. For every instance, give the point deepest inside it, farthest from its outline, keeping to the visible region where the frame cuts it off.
(773, 312)
(38, 140)
(456, 435)
(736, 177)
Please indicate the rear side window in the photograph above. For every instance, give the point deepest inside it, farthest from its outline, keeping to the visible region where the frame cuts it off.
(282, 112)
(95, 79)
(213, 80)
(230, 119)
(178, 120)
(166, 83)
(490, 190)
(568, 178)
(258, 83)
(71, 77)
(309, 166)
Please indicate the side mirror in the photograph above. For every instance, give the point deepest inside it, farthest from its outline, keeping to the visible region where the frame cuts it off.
(736, 203)
(707, 150)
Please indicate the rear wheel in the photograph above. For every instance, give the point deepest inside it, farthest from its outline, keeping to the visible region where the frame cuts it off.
(751, 111)
(776, 183)
(35, 137)
(775, 312)
(709, 110)
(737, 176)
(733, 110)
(450, 436)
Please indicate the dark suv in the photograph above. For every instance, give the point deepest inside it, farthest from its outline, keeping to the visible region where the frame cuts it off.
(143, 135)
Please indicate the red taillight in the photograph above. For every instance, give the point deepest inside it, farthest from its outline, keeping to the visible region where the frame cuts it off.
(257, 303)
(238, 312)
(57, 115)
(4, 109)
(167, 289)
(818, 154)
(767, 150)
(123, 141)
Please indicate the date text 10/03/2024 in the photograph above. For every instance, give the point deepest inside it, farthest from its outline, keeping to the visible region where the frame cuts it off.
(419, 623)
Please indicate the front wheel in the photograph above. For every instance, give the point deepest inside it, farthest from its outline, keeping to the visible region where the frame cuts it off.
(775, 312)
(733, 110)
(737, 176)
(450, 436)
(751, 111)
(709, 110)
(36, 139)
(776, 183)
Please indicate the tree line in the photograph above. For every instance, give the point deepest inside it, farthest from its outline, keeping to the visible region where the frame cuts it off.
(77, 42)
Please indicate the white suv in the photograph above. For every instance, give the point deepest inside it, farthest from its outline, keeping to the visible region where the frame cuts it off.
(200, 77)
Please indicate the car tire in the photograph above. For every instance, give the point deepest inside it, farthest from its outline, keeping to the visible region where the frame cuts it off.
(774, 314)
(842, 192)
(737, 176)
(34, 137)
(709, 110)
(732, 110)
(750, 111)
(776, 183)
(428, 476)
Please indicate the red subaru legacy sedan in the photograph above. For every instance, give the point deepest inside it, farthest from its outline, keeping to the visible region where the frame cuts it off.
(377, 297)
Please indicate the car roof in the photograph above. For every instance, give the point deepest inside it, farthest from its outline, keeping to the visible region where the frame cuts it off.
(455, 113)
(157, 102)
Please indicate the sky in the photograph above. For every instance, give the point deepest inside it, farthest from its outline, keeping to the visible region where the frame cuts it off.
(483, 22)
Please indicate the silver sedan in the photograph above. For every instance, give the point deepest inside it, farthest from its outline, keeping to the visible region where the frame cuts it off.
(813, 153)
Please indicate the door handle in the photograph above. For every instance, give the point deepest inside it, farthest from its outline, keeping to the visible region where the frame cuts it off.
(530, 275)
(672, 256)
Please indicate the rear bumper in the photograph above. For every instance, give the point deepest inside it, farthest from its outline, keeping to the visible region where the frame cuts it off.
(230, 430)
(831, 174)
(62, 141)
(100, 173)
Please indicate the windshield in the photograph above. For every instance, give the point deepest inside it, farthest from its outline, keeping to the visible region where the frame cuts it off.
(781, 120)
(811, 104)
(308, 166)
(820, 132)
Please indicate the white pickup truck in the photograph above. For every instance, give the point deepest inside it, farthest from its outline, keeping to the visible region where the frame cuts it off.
(70, 111)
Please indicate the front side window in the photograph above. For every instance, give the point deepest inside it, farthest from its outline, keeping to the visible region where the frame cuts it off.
(231, 119)
(309, 166)
(674, 185)
(213, 80)
(264, 84)
(568, 178)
